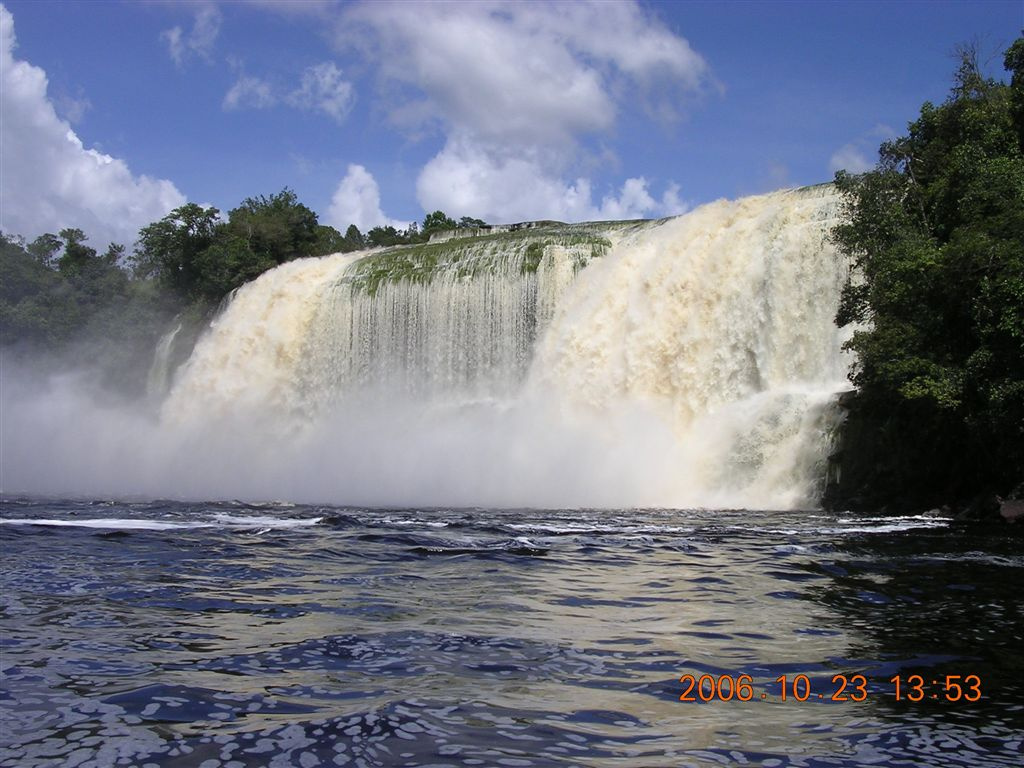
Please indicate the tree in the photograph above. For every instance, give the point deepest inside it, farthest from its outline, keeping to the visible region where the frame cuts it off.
(1014, 63)
(35, 306)
(201, 258)
(466, 222)
(328, 240)
(44, 248)
(354, 238)
(412, 233)
(381, 237)
(168, 250)
(277, 228)
(45, 306)
(436, 222)
(936, 236)
(226, 264)
(76, 254)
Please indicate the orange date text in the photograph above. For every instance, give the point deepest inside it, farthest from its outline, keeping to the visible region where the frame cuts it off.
(706, 688)
(797, 688)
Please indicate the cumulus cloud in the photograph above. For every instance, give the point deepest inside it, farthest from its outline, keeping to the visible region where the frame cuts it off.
(199, 41)
(501, 185)
(323, 89)
(357, 201)
(517, 89)
(50, 180)
(518, 71)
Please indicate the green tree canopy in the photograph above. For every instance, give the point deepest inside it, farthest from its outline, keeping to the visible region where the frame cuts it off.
(437, 221)
(199, 257)
(277, 228)
(354, 238)
(381, 237)
(77, 254)
(936, 236)
(168, 250)
(329, 240)
(44, 248)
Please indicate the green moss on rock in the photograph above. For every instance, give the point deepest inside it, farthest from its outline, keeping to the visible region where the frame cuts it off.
(522, 250)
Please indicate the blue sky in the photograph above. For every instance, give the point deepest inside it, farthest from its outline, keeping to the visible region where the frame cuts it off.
(115, 112)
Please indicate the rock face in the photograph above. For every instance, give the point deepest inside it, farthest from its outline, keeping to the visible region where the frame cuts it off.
(1012, 510)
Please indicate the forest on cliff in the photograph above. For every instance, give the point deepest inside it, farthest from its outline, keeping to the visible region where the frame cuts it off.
(936, 236)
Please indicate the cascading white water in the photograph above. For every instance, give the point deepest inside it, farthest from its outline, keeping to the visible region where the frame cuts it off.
(465, 333)
(685, 362)
(158, 379)
(722, 320)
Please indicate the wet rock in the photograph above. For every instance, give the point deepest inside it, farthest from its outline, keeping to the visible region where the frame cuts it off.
(1011, 510)
(847, 398)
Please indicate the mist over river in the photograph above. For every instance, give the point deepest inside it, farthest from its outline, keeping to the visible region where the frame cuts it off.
(230, 634)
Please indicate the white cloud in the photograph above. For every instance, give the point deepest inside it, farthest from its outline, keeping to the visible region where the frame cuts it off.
(501, 186)
(671, 203)
(357, 201)
(518, 71)
(480, 73)
(249, 92)
(516, 88)
(50, 180)
(198, 42)
(322, 88)
(633, 201)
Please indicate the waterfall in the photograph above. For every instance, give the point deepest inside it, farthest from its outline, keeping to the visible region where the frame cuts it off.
(690, 361)
(723, 320)
(158, 379)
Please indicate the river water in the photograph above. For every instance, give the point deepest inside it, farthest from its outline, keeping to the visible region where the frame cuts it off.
(227, 634)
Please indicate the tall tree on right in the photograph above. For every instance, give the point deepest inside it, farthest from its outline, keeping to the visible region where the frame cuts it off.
(936, 237)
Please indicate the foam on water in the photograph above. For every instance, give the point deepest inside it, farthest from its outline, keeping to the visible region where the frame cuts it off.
(107, 523)
(142, 524)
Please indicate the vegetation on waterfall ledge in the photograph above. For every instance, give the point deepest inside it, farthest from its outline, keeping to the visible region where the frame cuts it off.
(935, 234)
(485, 253)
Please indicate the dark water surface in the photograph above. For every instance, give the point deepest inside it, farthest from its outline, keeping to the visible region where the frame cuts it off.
(170, 634)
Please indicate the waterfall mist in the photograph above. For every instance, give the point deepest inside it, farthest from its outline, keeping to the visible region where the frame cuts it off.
(686, 362)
